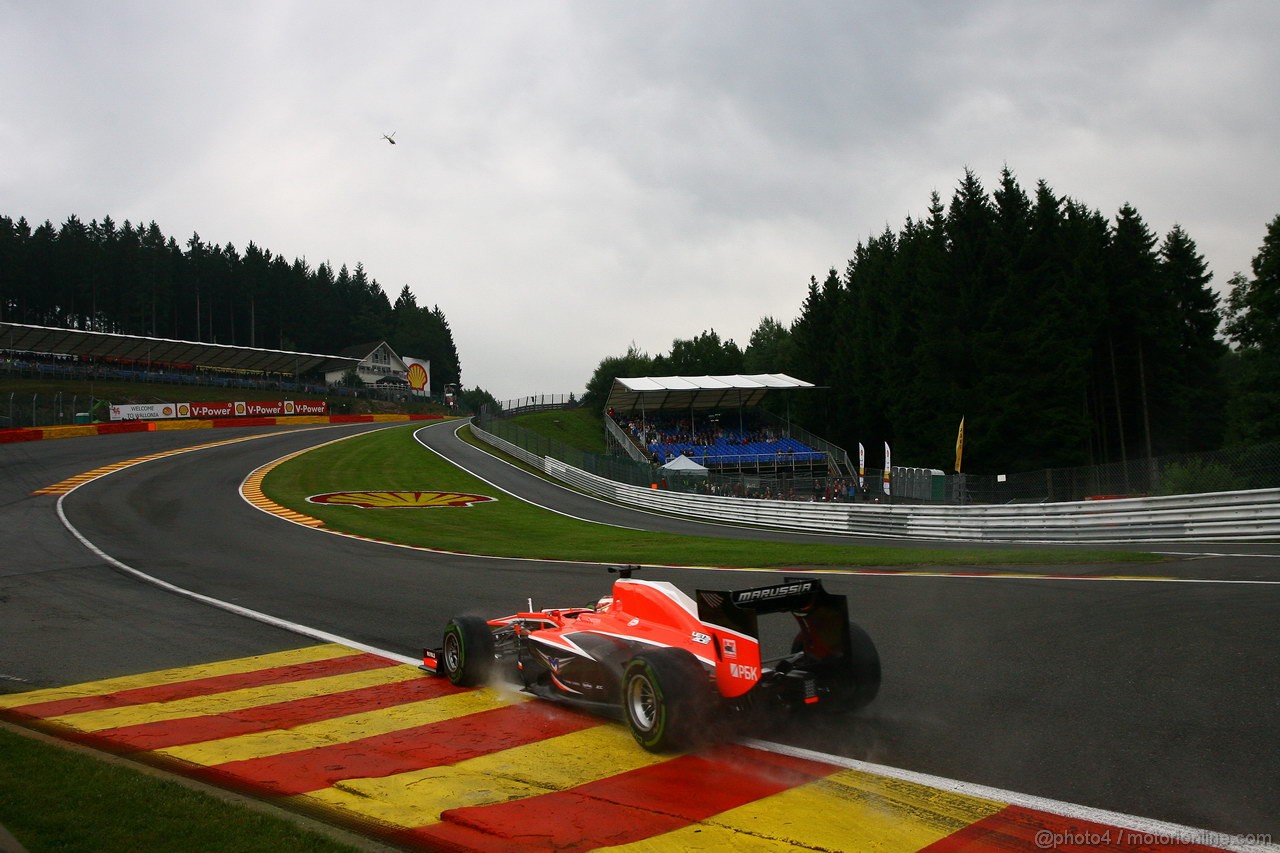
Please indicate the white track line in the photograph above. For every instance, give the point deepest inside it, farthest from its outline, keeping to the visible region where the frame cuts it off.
(1155, 833)
(256, 615)
(1165, 832)
(1192, 554)
(494, 485)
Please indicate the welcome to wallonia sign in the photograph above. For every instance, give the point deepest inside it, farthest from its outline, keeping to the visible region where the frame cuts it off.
(246, 409)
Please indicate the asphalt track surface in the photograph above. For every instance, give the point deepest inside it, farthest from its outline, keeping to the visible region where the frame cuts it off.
(1158, 698)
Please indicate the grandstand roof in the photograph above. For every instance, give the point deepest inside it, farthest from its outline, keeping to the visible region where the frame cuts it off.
(47, 340)
(654, 393)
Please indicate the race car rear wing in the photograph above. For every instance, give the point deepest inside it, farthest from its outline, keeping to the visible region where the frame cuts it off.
(823, 616)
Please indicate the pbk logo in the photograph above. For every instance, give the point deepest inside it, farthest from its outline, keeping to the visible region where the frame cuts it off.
(748, 673)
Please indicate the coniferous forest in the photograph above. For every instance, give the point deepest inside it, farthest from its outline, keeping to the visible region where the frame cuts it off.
(132, 280)
(1061, 337)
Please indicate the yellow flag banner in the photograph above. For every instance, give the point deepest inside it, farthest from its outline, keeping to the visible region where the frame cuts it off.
(960, 444)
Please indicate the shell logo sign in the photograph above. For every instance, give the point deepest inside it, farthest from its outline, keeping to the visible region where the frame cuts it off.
(417, 377)
(399, 500)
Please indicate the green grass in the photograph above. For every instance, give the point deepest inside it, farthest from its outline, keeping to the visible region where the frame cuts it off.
(580, 428)
(53, 798)
(391, 460)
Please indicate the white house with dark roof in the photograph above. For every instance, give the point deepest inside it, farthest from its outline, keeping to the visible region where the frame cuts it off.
(379, 366)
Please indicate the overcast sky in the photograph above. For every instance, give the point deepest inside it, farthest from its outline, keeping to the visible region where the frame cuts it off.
(569, 178)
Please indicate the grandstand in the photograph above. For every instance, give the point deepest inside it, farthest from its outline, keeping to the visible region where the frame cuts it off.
(48, 353)
(716, 422)
(133, 354)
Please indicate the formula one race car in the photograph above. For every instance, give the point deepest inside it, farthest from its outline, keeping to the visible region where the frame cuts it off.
(673, 668)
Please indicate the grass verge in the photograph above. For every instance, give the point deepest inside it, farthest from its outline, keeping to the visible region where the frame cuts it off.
(56, 798)
(579, 428)
(391, 460)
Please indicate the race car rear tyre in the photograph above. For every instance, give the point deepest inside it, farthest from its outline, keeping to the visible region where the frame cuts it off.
(467, 655)
(864, 670)
(858, 681)
(666, 697)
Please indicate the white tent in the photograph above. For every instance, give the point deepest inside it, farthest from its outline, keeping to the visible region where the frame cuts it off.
(701, 393)
(684, 465)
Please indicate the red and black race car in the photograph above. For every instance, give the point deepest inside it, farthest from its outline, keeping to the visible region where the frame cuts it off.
(672, 667)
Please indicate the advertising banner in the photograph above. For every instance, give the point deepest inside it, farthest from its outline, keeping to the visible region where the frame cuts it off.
(211, 410)
(306, 407)
(144, 411)
(236, 409)
(418, 376)
(253, 409)
(264, 409)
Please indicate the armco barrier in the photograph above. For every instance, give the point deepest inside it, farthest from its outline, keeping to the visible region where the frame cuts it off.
(1215, 517)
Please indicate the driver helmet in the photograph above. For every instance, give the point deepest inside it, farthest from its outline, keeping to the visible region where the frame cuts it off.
(604, 603)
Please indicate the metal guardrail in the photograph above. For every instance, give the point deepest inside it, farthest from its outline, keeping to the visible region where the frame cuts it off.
(1252, 515)
(531, 459)
(618, 438)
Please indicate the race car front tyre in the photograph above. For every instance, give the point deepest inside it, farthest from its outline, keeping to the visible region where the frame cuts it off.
(666, 697)
(467, 655)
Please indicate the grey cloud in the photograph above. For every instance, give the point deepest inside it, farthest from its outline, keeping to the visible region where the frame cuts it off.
(572, 176)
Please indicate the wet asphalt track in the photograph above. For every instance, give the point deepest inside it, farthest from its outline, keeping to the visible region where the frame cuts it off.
(1158, 699)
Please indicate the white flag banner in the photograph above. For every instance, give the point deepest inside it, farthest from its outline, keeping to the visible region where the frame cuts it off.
(887, 465)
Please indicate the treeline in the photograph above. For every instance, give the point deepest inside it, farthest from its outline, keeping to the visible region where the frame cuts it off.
(1061, 337)
(132, 280)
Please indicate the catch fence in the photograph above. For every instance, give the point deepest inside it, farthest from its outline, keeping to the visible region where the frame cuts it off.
(1232, 469)
(18, 411)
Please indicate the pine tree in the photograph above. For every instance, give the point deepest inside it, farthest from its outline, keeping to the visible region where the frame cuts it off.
(812, 335)
(1059, 313)
(445, 362)
(1192, 419)
(1253, 311)
(1131, 325)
